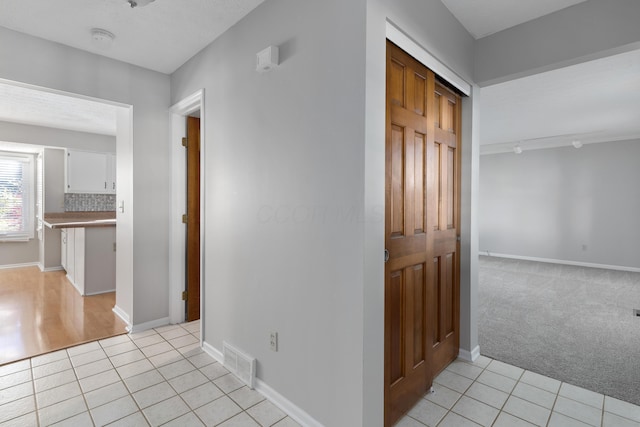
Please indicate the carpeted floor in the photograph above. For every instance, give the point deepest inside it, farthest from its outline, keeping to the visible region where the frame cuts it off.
(575, 324)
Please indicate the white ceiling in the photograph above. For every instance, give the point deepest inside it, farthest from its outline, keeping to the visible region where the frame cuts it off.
(160, 36)
(485, 17)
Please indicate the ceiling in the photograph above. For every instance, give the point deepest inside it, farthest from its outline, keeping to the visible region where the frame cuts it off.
(485, 17)
(21, 104)
(593, 101)
(160, 36)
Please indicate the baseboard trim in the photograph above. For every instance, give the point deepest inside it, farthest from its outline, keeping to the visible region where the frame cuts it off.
(469, 356)
(149, 325)
(122, 315)
(26, 264)
(46, 270)
(559, 261)
(285, 405)
(100, 292)
(213, 352)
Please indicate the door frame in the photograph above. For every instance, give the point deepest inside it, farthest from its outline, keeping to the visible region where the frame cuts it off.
(177, 230)
(383, 27)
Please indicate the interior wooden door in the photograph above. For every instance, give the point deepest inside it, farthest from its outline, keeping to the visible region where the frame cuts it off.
(192, 282)
(421, 217)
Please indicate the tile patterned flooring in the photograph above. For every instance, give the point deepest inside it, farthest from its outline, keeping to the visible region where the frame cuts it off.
(492, 393)
(162, 377)
(157, 377)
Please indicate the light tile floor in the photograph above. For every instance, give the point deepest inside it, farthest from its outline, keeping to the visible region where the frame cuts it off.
(157, 377)
(162, 377)
(492, 393)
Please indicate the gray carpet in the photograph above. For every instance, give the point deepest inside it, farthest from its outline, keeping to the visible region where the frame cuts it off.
(574, 324)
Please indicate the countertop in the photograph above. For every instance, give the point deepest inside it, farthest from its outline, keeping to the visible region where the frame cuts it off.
(79, 219)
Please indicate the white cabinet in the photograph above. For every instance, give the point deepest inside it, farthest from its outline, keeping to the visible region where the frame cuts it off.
(63, 248)
(111, 172)
(89, 258)
(90, 172)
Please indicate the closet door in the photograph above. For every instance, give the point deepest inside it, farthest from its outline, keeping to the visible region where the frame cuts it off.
(421, 217)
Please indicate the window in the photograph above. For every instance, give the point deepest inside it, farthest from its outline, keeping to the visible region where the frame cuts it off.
(16, 197)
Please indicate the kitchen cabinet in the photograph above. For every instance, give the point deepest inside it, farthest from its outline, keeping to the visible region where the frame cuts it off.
(90, 172)
(89, 258)
(63, 248)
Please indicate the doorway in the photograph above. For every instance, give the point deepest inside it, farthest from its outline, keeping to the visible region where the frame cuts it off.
(192, 105)
(192, 221)
(422, 225)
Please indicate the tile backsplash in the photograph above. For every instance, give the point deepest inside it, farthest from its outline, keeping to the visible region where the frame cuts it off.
(79, 202)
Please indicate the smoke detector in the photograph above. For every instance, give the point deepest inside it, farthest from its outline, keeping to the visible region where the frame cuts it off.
(140, 3)
(102, 38)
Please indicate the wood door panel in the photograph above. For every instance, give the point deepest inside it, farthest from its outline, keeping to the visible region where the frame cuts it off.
(420, 94)
(396, 83)
(397, 159)
(419, 183)
(421, 190)
(451, 185)
(418, 315)
(395, 298)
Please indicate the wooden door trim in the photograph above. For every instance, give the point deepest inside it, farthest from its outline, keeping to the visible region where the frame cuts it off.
(179, 111)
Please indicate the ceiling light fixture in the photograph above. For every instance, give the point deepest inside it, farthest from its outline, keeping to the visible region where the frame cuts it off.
(517, 149)
(135, 3)
(577, 144)
(102, 38)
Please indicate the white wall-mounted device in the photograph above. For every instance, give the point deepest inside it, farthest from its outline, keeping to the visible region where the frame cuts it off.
(267, 59)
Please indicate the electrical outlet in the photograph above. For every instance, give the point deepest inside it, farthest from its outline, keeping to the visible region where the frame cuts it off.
(584, 247)
(273, 341)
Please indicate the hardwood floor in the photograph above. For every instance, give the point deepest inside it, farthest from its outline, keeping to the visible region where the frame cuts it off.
(41, 312)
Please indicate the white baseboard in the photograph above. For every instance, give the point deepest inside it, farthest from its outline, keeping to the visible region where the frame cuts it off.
(26, 264)
(469, 356)
(45, 270)
(149, 325)
(559, 261)
(285, 405)
(122, 315)
(100, 292)
(213, 352)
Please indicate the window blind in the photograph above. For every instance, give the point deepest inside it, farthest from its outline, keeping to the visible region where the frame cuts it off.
(16, 210)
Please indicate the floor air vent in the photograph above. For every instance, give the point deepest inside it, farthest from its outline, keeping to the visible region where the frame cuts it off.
(243, 366)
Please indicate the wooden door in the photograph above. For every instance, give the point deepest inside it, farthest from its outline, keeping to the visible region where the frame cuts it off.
(193, 220)
(421, 225)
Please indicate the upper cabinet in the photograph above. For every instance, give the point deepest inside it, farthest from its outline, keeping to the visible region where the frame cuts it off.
(90, 172)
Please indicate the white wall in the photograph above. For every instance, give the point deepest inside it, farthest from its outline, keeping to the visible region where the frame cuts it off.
(39, 62)
(549, 203)
(284, 199)
(586, 31)
(432, 26)
(295, 193)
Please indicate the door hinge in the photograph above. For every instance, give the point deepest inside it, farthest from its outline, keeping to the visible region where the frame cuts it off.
(185, 218)
(184, 295)
(184, 142)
